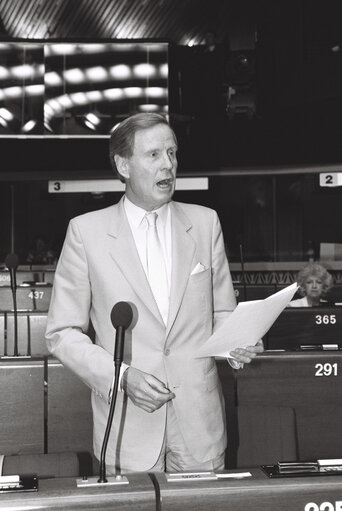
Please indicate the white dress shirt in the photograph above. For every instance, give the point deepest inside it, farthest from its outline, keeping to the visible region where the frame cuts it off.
(138, 224)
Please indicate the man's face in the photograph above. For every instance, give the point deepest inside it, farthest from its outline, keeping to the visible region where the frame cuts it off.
(151, 171)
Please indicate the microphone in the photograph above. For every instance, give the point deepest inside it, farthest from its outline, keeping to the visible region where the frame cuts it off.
(12, 262)
(121, 318)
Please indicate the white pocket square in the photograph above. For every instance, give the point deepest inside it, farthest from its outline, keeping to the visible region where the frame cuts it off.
(198, 268)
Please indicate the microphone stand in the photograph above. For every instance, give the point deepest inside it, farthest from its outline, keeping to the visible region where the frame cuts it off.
(11, 262)
(243, 273)
(15, 317)
(118, 478)
(103, 478)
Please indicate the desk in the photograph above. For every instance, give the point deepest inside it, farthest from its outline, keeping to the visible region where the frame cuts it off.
(296, 397)
(31, 298)
(31, 333)
(62, 493)
(21, 406)
(22, 275)
(305, 325)
(257, 493)
(69, 414)
(43, 408)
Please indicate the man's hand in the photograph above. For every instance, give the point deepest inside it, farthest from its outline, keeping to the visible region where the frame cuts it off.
(247, 354)
(145, 390)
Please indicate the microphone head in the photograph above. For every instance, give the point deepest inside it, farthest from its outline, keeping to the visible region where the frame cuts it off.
(12, 261)
(121, 315)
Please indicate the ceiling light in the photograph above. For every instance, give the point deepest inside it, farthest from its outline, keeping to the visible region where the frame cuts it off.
(6, 114)
(89, 124)
(112, 94)
(120, 71)
(79, 98)
(4, 73)
(94, 119)
(23, 72)
(149, 108)
(133, 92)
(74, 75)
(53, 79)
(144, 70)
(29, 126)
(156, 92)
(94, 95)
(35, 90)
(60, 49)
(96, 74)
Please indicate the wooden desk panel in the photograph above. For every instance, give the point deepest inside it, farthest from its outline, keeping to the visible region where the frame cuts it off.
(21, 407)
(311, 385)
(7, 334)
(62, 494)
(257, 292)
(31, 333)
(37, 322)
(29, 298)
(70, 423)
(22, 276)
(305, 325)
(257, 493)
(292, 379)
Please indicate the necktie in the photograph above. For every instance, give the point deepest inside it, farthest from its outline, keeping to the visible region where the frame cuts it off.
(156, 270)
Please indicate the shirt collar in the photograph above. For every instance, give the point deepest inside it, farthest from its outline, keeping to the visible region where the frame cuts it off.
(136, 214)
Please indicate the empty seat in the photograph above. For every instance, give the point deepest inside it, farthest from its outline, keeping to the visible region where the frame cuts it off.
(62, 464)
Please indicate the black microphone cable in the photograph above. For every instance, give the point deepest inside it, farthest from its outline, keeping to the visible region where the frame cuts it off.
(121, 317)
(12, 262)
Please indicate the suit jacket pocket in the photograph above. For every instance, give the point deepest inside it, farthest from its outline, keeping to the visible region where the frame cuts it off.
(198, 296)
(202, 275)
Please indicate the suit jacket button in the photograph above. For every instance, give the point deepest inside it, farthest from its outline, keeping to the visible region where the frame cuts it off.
(167, 352)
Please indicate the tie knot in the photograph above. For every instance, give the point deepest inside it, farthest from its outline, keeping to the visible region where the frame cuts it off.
(151, 219)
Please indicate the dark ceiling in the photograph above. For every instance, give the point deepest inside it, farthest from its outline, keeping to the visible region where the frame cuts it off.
(296, 55)
(179, 21)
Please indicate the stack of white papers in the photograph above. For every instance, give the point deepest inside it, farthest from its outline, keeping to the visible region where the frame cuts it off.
(247, 324)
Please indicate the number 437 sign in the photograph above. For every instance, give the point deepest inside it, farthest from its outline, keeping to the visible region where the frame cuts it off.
(330, 179)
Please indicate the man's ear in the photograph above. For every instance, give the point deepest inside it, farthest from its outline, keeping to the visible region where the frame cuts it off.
(121, 165)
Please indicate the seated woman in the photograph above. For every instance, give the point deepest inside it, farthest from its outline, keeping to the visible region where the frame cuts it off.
(314, 283)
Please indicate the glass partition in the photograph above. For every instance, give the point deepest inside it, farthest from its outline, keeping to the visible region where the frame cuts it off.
(21, 88)
(79, 89)
(275, 218)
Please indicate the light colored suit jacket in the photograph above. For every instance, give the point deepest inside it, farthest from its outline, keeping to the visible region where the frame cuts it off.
(99, 266)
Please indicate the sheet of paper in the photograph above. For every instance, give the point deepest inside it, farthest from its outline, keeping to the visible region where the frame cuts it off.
(247, 324)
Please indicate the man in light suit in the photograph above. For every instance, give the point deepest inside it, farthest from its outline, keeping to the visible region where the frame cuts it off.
(170, 409)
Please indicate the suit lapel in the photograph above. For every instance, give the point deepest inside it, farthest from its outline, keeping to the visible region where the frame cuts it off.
(123, 251)
(183, 249)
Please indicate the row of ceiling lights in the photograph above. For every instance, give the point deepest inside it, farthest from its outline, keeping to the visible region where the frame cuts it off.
(77, 75)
